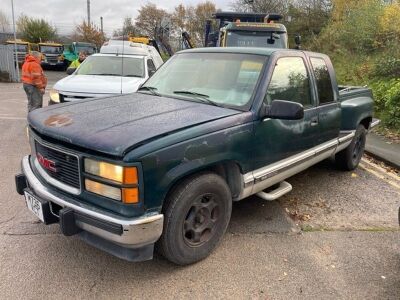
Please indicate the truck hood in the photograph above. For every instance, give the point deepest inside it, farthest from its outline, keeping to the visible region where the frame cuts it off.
(95, 84)
(115, 125)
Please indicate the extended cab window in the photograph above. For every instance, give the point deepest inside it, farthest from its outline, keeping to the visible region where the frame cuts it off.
(323, 79)
(290, 82)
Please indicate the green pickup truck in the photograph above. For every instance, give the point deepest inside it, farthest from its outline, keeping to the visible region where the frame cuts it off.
(161, 167)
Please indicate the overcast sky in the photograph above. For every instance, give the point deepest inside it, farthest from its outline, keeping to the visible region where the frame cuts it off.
(67, 13)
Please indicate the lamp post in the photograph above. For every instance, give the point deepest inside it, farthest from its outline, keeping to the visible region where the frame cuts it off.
(15, 41)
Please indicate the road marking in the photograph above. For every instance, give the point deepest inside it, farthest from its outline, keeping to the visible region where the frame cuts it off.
(378, 167)
(381, 176)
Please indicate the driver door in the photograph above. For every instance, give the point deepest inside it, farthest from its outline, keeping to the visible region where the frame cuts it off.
(275, 139)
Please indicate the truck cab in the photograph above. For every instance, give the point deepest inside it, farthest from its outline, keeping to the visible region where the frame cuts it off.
(235, 29)
(52, 54)
(23, 48)
(71, 51)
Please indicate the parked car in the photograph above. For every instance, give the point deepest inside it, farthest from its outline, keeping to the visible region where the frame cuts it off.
(120, 68)
(211, 126)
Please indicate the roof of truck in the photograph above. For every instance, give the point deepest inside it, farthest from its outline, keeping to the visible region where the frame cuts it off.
(249, 50)
(244, 50)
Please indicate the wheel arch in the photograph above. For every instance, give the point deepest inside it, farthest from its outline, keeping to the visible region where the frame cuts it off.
(230, 171)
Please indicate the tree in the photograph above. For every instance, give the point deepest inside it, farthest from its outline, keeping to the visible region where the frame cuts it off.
(192, 19)
(85, 32)
(35, 30)
(4, 22)
(149, 19)
(261, 6)
(127, 29)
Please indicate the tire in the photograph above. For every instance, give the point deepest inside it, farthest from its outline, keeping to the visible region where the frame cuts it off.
(349, 158)
(196, 215)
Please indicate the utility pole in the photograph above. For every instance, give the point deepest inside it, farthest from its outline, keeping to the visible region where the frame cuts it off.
(88, 12)
(15, 41)
(101, 25)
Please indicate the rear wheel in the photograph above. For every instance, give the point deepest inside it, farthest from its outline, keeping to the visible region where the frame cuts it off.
(196, 215)
(349, 158)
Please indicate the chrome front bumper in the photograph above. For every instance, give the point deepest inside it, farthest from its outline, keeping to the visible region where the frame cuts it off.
(136, 232)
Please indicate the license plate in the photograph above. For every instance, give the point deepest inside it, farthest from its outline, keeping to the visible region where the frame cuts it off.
(34, 205)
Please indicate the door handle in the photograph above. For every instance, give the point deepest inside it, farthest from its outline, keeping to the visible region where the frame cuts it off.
(314, 121)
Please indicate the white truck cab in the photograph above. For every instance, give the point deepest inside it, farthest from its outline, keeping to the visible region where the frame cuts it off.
(120, 68)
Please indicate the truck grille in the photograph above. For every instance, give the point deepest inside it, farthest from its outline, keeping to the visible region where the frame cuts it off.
(61, 166)
(52, 59)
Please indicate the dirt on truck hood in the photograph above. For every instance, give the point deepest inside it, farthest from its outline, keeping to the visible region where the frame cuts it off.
(113, 125)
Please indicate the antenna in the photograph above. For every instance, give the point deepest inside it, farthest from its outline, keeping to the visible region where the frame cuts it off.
(122, 59)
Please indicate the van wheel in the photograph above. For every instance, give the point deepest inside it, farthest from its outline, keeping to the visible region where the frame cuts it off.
(196, 215)
(349, 158)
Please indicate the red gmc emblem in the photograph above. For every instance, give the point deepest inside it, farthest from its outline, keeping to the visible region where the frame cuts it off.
(46, 163)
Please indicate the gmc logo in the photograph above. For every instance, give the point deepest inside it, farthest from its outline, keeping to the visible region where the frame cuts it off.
(46, 163)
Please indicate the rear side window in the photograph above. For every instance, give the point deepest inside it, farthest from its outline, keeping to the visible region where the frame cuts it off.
(323, 79)
(150, 66)
(290, 82)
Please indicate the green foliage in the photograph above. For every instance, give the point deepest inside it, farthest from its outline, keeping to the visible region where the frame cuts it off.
(35, 30)
(387, 97)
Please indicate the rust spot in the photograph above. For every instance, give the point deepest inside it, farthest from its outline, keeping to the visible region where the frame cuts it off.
(58, 120)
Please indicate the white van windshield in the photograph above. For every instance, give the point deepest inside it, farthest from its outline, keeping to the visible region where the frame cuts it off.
(112, 66)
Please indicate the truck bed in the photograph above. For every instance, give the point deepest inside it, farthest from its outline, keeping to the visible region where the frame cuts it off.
(350, 92)
(357, 103)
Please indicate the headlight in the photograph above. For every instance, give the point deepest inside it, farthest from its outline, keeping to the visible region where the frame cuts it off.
(54, 95)
(123, 185)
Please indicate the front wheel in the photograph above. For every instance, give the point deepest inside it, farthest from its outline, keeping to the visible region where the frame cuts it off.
(196, 215)
(349, 158)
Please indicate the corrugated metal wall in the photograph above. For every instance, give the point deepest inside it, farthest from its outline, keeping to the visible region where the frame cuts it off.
(7, 63)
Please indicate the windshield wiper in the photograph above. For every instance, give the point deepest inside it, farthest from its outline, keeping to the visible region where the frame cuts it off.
(131, 75)
(151, 89)
(201, 97)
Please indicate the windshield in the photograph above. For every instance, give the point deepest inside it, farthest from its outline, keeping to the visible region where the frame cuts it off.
(112, 66)
(89, 49)
(51, 49)
(20, 47)
(270, 39)
(226, 79)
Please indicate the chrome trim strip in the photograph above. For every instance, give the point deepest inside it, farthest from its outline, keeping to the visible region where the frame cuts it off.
(272, 170)
(264, 177)
(47, 177)
(136, 232)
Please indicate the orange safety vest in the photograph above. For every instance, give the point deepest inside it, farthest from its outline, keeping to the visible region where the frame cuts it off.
(32, 72)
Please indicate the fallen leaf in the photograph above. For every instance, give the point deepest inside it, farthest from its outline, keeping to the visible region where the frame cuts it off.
(354, 175)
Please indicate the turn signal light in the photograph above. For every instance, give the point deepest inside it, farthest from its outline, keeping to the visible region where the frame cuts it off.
(130, 195)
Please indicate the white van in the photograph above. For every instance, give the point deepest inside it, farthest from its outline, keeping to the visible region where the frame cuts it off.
(120, 68)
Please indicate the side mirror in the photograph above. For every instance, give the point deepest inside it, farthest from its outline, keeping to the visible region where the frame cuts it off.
(284, 110)
(70, 71)
(151, 72)
(297, 40)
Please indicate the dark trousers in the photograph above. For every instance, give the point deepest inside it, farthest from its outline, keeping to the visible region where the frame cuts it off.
(35, 97)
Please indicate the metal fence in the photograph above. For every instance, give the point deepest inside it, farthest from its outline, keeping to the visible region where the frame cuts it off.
(7, 63)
